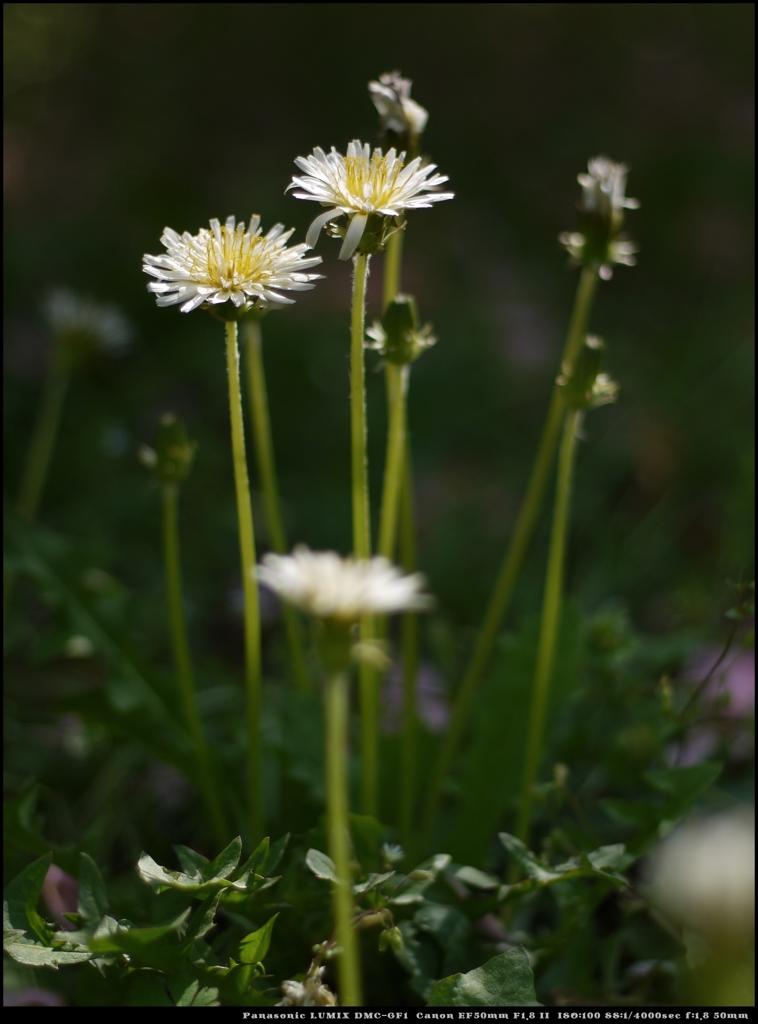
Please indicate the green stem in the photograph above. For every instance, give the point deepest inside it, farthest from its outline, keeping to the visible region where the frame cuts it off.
(250, 590)
(551, 607)
(514, 557)
(183, 661)
(393, 264)
(362, 530)
(43, 442)
(267, 468)
(409, 649)
(337, 818)
(361, 522)
(397, 391)
(409, 624)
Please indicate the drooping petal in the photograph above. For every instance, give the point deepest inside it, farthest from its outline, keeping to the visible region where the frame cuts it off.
(314, 230)
(353, 236)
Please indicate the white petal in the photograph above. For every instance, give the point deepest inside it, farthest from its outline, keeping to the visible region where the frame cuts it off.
(354, 235)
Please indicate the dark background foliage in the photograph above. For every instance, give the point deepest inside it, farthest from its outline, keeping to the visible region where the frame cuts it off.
(121, 118)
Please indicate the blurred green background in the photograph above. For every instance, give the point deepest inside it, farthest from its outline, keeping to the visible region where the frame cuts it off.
(123, 118)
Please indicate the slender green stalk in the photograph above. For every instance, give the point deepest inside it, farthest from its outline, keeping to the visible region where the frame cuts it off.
(183, 661)
(250, 590)
(337, 818)
(398, 416)
(361, 521)
(393, 265)
(43, 442)
(514, 557)
(397, 391)
(267, 468)
(551, 607)
(409, 649)
(362, 530)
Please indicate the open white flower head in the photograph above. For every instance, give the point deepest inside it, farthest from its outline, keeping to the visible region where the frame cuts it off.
(604, 185)
(391, 96)
(311, 991)
(71, 316)
(341, 589)
(363, 183)
(229, 263)
(704, 875)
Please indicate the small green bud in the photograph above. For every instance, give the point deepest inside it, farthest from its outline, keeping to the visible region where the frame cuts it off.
(398, 336)
(171, 459)
(419, 875)
(395, 939)
(586, 387)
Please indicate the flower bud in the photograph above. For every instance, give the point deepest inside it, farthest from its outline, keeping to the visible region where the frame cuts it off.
(401, 119)
(598, 244)
(171, 459)
(585, 387)
(398, 336)
(82, 327)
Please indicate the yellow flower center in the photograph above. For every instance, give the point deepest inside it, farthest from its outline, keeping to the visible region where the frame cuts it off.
(371, 180)
(239, 259)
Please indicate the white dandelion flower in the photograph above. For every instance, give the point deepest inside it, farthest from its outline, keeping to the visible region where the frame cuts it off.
(229, 263)
(363, 183)
(87, 324)
(342, 589)
(391, 96)
(703, 875)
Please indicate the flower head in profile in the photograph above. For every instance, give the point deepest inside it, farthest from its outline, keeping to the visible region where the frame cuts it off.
(361, 185)
(603, 188)
(343, 590)
(703, 875)
(601, 217)
(229, 264)
(82, 326)
(398, 113)
(311, 991)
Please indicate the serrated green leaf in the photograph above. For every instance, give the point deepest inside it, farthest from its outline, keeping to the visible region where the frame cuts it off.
(683, 785)
(20, 901)
(143, 987)
(20, 828)
(36, 955)
(119, 937)
(186, 991)
(253, 947)
(321, 865)
(274, 855)
(190, 860)
(255, 861)
(372, 882)
(92, 900)
(202, 920)
(506, 980)
(223, 865)
(601, 863)
(475, 878)
(160, 878)
(527, 861)
(413, 890)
